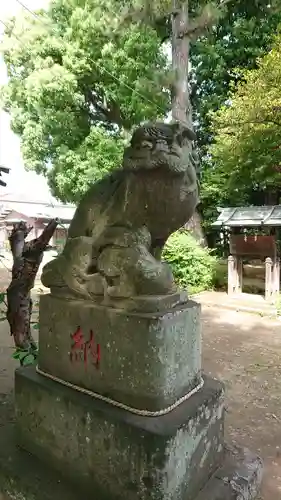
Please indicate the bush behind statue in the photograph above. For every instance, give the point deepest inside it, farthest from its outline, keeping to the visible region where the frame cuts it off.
(193, 266)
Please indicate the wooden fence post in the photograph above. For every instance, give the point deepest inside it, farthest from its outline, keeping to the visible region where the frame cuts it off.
(268, 278)
(231, 275)
(276, 276)
(239, 275)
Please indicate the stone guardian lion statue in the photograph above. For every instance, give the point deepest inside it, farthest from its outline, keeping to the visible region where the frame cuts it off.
(113, 251)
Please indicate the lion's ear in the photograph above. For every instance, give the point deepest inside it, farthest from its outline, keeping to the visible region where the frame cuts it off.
(188, 133)
(176, 127)
(183, 130)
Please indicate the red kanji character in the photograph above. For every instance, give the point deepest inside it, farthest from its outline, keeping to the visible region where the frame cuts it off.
(79, 345)
(92, 348)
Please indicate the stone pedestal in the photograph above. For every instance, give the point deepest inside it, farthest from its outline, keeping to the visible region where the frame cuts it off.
(146, 361)
(168, 446)
(113, 454)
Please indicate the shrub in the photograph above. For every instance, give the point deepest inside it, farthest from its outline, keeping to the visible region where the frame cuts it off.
(193, 266)
(220, 275)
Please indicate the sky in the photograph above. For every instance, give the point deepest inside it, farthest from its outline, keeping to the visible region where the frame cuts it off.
(18, 181)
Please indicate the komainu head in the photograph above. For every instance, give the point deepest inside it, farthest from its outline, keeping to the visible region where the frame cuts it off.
(159, 145)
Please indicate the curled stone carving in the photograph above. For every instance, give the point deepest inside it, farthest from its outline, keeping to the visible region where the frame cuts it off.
(113, 251)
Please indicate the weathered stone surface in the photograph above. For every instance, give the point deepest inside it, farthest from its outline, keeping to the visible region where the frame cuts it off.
(113, 251)
(24, 477)
(115, 454)
(147, 361)
(239, 478)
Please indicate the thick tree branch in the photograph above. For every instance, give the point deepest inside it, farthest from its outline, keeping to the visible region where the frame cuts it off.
(108, 111)
(16, 239)
(38, 245)
(204, 21)
(27, 258)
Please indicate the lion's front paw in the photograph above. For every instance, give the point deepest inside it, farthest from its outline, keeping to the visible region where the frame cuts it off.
(96, 284)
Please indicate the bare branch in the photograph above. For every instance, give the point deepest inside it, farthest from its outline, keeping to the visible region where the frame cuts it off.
(39, 244)
(108, 111)
(16, 239)
(27, 259)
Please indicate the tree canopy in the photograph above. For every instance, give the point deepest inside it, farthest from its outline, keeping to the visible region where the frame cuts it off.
(237, 40)
(219, 60)
(83, 73)
(74, 91)
(247, 148)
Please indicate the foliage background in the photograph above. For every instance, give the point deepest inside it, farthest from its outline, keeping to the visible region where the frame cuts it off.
(194, 266)
(77, 86)
(84, 73)
(247, 147)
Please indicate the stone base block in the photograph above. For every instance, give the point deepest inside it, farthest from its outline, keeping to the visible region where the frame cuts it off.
(114, 454)
(239, 478)
(146, 361)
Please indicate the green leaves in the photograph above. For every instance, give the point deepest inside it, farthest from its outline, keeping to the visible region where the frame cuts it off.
(248, 130)
(192, 265)
(219, 61)
(26, 357)
(79, 80)
(75, 170)
(242, 35)
(30, 359)
(87, 73)
(2, 297)
(20, 354)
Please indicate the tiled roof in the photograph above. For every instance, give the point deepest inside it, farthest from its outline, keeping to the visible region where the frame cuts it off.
(37, 210)
(249, 216)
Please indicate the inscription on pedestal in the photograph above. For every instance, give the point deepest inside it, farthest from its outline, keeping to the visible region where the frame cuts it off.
(146, 361)
(84, 350)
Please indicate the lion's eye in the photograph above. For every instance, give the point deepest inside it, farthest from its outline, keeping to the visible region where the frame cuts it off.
(169, 141)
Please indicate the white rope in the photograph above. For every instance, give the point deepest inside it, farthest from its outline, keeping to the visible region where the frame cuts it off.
(136, 411)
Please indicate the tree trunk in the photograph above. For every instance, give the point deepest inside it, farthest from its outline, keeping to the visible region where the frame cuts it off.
(27, 257)
(195, 227)
(181, 104)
